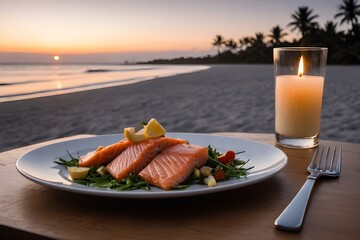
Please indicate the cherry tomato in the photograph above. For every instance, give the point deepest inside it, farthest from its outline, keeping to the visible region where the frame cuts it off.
(219, 175)
(227, 158)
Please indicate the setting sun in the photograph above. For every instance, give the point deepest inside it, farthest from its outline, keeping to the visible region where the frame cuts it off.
(56, 58)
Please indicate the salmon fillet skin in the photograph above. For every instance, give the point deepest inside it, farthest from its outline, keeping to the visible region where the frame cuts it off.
(138, 155)
(104, 155)
(174, 165)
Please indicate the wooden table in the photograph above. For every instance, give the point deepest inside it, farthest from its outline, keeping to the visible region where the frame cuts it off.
(31, 211)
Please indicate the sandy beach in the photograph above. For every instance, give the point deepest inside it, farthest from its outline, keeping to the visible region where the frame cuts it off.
(224, 98)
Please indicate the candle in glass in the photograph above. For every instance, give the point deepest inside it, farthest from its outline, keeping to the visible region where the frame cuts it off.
(298, 101)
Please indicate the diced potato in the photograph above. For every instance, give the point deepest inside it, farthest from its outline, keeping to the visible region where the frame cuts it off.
(210, 181)
(101, 170)
(196, 173)
(205, 171)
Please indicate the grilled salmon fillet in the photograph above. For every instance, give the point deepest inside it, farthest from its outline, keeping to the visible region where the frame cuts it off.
(139, 155)
(103, 155)
(174, 165)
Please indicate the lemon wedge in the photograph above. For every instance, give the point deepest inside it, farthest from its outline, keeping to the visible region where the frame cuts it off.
(154, 129)
(78, 172)
(133, 136)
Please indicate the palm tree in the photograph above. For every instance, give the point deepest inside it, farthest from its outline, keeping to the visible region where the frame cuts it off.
(349, 11)
(276, 34)
(303, 20)
(330, 28)
(244, 43)
(258, 40)
(218, 41)
(231, 45)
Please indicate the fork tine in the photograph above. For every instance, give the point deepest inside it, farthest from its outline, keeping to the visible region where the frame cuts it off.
(332, 159)
(320, 159)
(312, 163)
(326, 159)
(338, 166)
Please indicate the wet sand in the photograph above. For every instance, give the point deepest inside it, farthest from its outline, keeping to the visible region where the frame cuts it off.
(224, 98)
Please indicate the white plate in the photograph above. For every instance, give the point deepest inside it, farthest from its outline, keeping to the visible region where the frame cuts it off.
(38, 165)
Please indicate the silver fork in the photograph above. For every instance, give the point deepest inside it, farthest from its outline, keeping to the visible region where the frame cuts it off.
(292, 216)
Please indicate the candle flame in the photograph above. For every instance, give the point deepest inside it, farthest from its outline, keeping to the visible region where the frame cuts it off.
(301, 67)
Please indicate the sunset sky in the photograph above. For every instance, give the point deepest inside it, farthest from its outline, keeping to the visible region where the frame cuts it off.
(136, 30)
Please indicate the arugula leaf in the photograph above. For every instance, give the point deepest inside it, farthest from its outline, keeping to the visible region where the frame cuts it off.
(67, 163)
(213, 153)
(73, 162)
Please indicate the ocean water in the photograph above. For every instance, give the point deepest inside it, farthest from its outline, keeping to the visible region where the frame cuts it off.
(19, 82)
